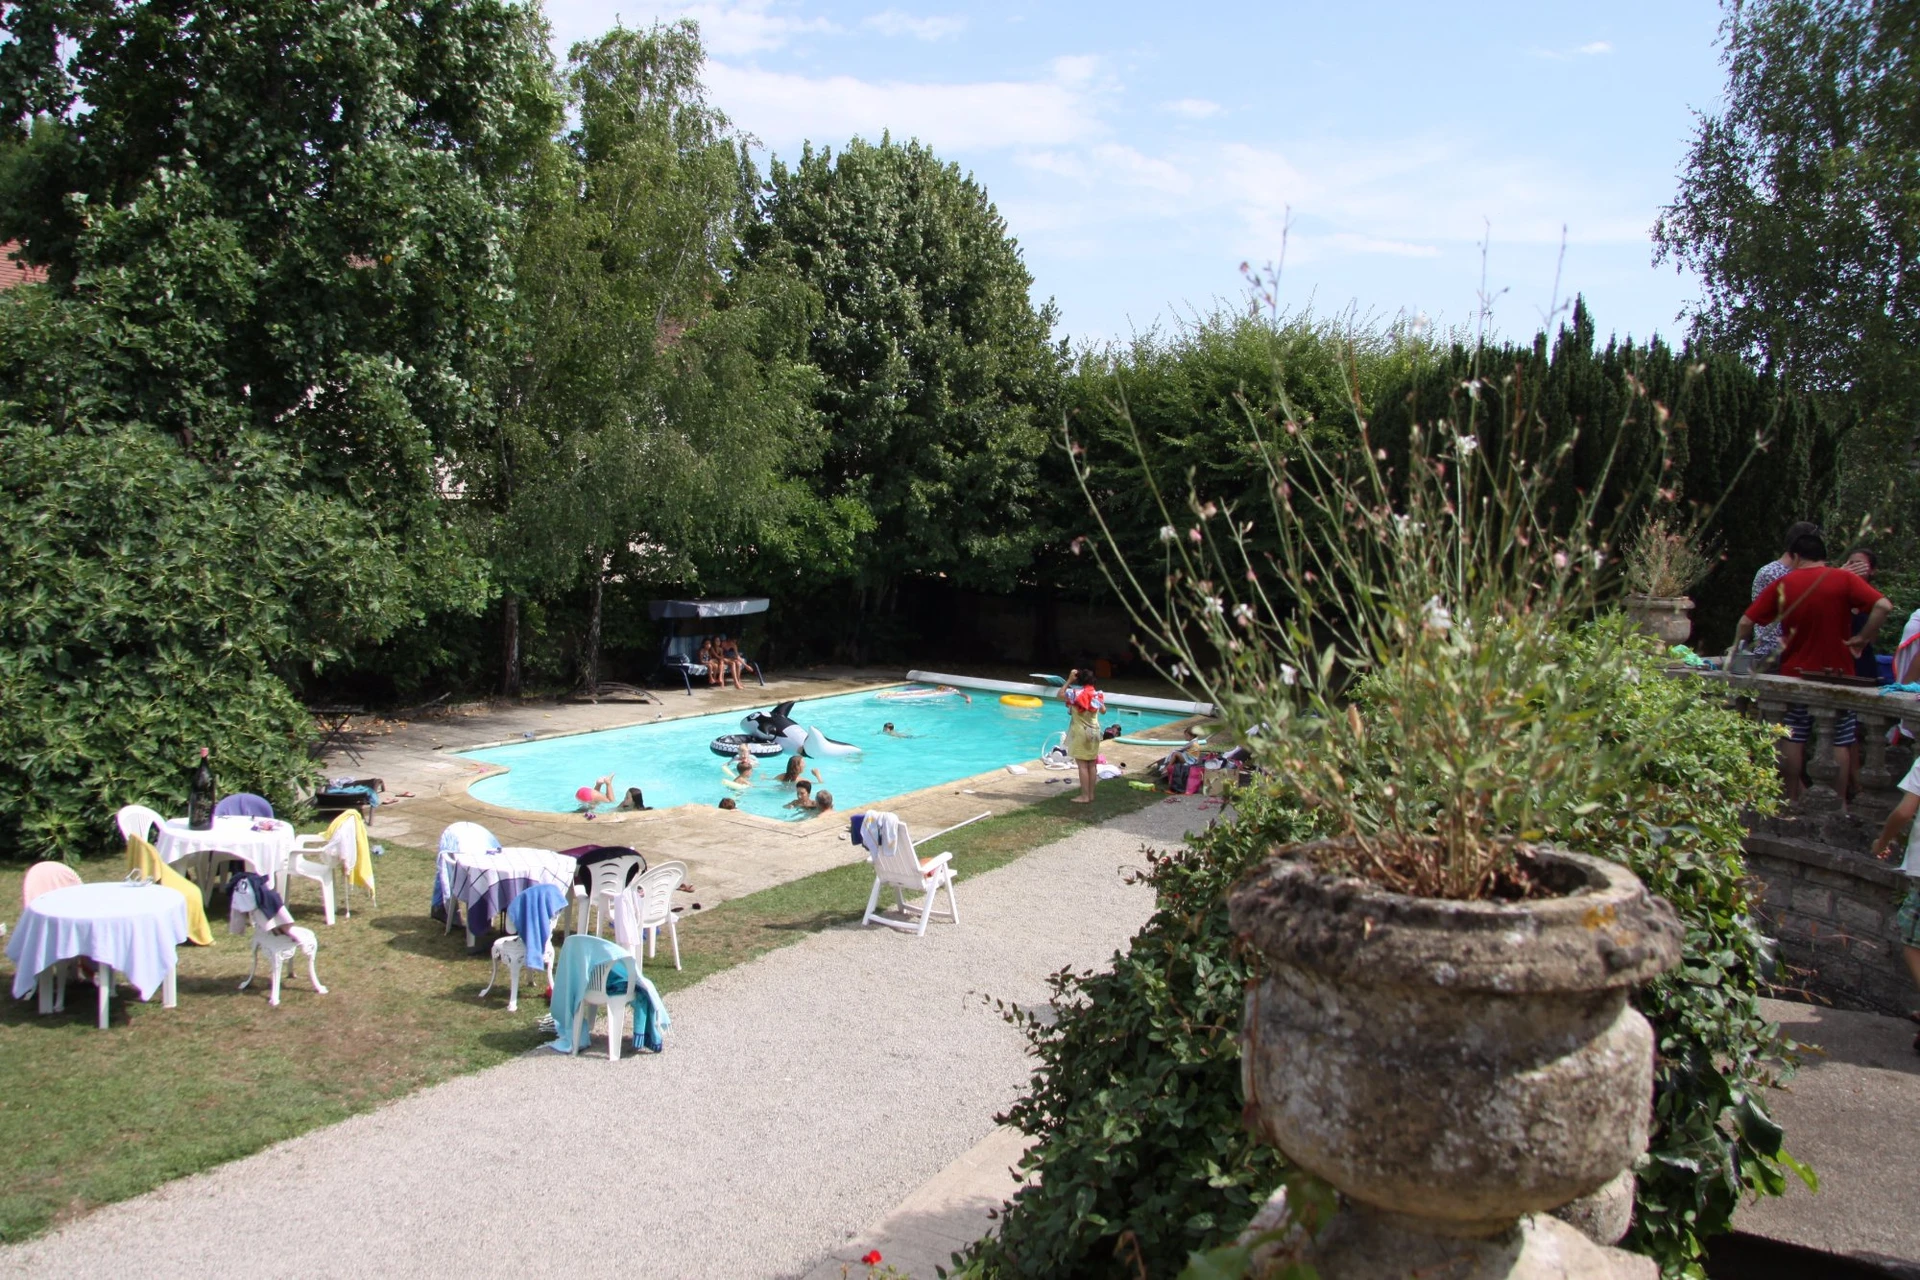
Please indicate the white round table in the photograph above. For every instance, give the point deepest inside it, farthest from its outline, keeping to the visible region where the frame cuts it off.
(119, 925)
(262, 843)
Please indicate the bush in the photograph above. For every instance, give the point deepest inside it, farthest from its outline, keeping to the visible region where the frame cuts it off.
(1136, 1102)
(153, 607)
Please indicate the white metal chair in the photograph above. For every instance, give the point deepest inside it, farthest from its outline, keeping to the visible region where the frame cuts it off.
(279, 948)
(331, 855)
(655, 890)
(896, 866)
(594, 911)
(615, 1004)
(511, 950)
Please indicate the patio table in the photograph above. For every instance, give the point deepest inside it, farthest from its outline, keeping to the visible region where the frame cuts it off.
(484, 883)
(261, 843)
(117, 924)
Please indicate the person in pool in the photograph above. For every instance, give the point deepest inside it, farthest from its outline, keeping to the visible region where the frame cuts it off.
(892, 732)
(796, 765)
(727, 802)
(743, 766)
(802, 795)
(823, 804)
(601, 792)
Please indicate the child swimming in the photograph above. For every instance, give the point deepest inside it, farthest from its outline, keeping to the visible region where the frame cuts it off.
(892, 732)
(601, 792)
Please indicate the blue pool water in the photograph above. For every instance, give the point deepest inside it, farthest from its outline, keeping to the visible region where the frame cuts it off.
(672, 763)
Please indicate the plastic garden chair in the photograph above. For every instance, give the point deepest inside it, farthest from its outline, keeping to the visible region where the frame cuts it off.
(594, 911)
(243, 804)
(656, 890)
(42, 877)
(896, 866)
(335, 853)
(615, 1003)
(138, 820)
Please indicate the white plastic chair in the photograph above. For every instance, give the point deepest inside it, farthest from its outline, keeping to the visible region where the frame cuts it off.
(45, 877)
(615, 1005)
(896, 866)
(594, 910)
(656, 889)
(279, 948)
(337, 854)
(138, 820)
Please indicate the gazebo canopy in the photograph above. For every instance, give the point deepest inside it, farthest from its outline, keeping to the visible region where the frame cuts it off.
(719, 607)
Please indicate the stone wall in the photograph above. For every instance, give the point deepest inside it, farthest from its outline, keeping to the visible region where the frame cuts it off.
(1832, 911)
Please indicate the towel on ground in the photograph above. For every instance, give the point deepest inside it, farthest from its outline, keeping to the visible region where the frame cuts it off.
(143, 858)
(530, 915)
(572, 970)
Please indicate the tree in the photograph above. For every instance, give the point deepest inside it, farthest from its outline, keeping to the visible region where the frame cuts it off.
(662, 398)
(275, 232)
(938, 368)
(351, 160)
(1795, 206)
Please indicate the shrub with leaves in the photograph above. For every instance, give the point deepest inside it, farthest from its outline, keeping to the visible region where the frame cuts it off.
(153, 607)
(1136, 1102)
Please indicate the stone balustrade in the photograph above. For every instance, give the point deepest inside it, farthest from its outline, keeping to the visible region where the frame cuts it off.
(1827, 900)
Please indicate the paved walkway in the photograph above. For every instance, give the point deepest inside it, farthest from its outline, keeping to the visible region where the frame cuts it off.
(801, 1098)
(1852, 1112)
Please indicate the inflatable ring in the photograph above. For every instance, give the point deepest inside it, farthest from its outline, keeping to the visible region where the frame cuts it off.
(757, 744)
(1020, 700)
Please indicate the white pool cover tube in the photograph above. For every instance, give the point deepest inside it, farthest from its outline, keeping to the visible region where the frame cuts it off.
(1049, 692)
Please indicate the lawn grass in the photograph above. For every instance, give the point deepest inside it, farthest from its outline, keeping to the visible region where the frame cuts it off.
(90, 1117)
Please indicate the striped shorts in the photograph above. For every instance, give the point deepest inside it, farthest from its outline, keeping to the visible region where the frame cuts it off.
(1799, 724)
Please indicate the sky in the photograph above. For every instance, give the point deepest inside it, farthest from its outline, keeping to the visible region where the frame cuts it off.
(1388, 157)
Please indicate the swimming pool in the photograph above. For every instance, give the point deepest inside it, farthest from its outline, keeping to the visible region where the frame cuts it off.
(671, 761)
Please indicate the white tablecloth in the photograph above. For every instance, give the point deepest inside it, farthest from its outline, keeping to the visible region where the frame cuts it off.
(134, 928)
(265, 850)
(484, 883)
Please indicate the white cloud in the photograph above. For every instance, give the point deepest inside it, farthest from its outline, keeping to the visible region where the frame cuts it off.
(892, 22)
(1592, 49)
(1193, 108)
(727, 29)
(783, 109)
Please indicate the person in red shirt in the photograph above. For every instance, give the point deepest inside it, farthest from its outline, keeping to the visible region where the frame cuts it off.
(1814, 605)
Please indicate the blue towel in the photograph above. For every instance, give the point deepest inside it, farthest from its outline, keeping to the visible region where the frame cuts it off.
(530, 915)
(578, 958)
(1900, 688)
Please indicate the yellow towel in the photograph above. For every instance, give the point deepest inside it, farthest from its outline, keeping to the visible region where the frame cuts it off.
(362, 873)
(142, 857)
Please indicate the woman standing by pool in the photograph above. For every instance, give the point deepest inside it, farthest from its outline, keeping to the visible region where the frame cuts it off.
(1084, 705)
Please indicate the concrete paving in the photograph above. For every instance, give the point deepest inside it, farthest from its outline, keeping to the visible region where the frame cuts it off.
(727, 854)
(1853, 1113)
(801, 1097)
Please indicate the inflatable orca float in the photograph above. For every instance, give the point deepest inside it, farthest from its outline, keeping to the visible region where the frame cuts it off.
(767, 733)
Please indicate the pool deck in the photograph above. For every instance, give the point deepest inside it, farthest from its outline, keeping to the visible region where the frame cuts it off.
(728, 854)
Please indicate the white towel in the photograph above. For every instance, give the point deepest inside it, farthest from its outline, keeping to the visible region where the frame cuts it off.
(626, 920)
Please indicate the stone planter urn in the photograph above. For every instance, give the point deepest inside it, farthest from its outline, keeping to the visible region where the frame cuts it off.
(1668, 619)
(1454, 1068)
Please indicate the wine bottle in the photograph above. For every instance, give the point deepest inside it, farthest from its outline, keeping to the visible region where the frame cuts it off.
(200, 795)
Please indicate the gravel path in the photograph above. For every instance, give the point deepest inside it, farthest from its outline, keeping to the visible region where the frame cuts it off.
(801, 1096)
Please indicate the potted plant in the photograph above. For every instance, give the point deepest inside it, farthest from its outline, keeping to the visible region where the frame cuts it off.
(1442, 1032)
(1662, 563)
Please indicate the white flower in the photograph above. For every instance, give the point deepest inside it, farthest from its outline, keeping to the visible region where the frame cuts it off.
(1179, 671)
(1167, 533)
(1216, 605)
(1439, 618)
(1243, 613)
(1288, 673)
(1468, 443)
(1559, 559)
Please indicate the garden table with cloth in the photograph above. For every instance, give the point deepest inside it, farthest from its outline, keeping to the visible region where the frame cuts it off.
(118, 924)
(484, 883)
(262, 843)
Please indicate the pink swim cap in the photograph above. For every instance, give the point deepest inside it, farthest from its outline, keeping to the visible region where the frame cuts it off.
(586, 795)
